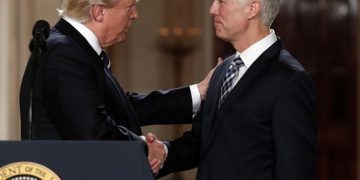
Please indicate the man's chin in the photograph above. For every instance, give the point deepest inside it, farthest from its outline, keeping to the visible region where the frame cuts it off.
(219, 34)
(120, 39)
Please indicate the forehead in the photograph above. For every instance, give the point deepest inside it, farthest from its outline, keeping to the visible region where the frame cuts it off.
(237, 1)
(128, 1)
(124, 3)
(121, 2)
(229, 1)
(234, 3)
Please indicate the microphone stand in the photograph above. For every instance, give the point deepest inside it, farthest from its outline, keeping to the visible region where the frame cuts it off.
(33, 60)
(37, 47)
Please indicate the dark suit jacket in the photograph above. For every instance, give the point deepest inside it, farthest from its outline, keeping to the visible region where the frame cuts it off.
(264, 130)
(76, 97)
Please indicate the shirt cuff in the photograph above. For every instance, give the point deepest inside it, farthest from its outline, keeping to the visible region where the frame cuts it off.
(166, 150)
(195, 96)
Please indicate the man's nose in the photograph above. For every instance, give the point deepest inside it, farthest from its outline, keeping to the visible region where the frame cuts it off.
(214, 8)
(135, 14)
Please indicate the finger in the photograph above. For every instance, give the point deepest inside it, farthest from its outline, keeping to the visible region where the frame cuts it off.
(150, 137)
(159, 143)
(153, 163)
(156, 172)
(156, 167)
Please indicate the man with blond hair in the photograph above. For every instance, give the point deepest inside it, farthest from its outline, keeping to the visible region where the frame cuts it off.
(76, 96)
(257, 122)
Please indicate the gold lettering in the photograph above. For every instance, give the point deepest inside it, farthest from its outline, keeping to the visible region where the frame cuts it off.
(15, 170)
(10, 172)
(28, 169)
(41, 172)
(5, 173)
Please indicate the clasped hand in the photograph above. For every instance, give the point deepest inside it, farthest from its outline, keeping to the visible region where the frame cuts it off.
(157, 153)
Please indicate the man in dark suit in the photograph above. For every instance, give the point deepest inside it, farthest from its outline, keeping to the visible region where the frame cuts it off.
(257, 122)
(76, 95)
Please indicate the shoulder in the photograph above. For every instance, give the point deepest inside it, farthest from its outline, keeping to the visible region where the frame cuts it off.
(65, 47)
(289, 62)
(285, 68)
(56, 39)
(283, 65)
(64, 52)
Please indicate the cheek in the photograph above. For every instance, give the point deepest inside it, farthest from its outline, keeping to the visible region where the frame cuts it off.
(118, 21)
(236, 20)
(123, 23)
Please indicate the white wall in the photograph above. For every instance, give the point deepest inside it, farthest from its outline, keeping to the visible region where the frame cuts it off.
(8, 70)
(16, 19)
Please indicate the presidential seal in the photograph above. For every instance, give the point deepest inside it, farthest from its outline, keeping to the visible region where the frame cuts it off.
(26, 171)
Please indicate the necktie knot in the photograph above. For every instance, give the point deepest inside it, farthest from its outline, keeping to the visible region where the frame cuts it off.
(105, 59)
(237, 62)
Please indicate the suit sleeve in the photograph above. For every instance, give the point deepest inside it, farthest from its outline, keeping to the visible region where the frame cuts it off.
(73, 100)
(294, 129)
(163, 107)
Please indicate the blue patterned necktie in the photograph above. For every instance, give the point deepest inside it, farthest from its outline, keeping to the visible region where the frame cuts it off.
(105, 59)
(230, 76)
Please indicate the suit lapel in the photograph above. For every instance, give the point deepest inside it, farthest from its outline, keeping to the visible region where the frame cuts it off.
(133, 122)
(246, 80)
(210, 104)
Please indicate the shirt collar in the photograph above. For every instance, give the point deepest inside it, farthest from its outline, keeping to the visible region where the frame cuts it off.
(254, 51)
(86, 33)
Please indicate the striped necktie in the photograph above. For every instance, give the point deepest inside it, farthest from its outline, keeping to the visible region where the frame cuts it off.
(230, 76)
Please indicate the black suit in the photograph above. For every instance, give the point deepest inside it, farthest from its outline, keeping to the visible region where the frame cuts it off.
(264, 130)
(77, 97)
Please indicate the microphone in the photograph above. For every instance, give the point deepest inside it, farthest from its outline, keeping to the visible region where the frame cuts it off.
(40, 33)
(41, 27)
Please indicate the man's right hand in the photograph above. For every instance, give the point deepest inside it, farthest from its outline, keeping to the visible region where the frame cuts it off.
(157, 153)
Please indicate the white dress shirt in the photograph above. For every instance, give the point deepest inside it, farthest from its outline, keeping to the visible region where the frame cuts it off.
(249, 55)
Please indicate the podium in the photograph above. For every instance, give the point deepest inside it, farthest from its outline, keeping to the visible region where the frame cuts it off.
(74, 160)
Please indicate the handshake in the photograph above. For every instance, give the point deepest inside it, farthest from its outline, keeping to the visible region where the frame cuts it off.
(157, 152)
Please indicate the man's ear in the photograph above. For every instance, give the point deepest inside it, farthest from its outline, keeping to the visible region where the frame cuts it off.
(97, 12)
(254, 9)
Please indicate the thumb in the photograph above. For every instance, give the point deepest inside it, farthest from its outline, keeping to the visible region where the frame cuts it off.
(150, 137)
(219, 61)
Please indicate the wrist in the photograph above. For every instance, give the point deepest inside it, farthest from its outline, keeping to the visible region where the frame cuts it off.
(202, 91)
